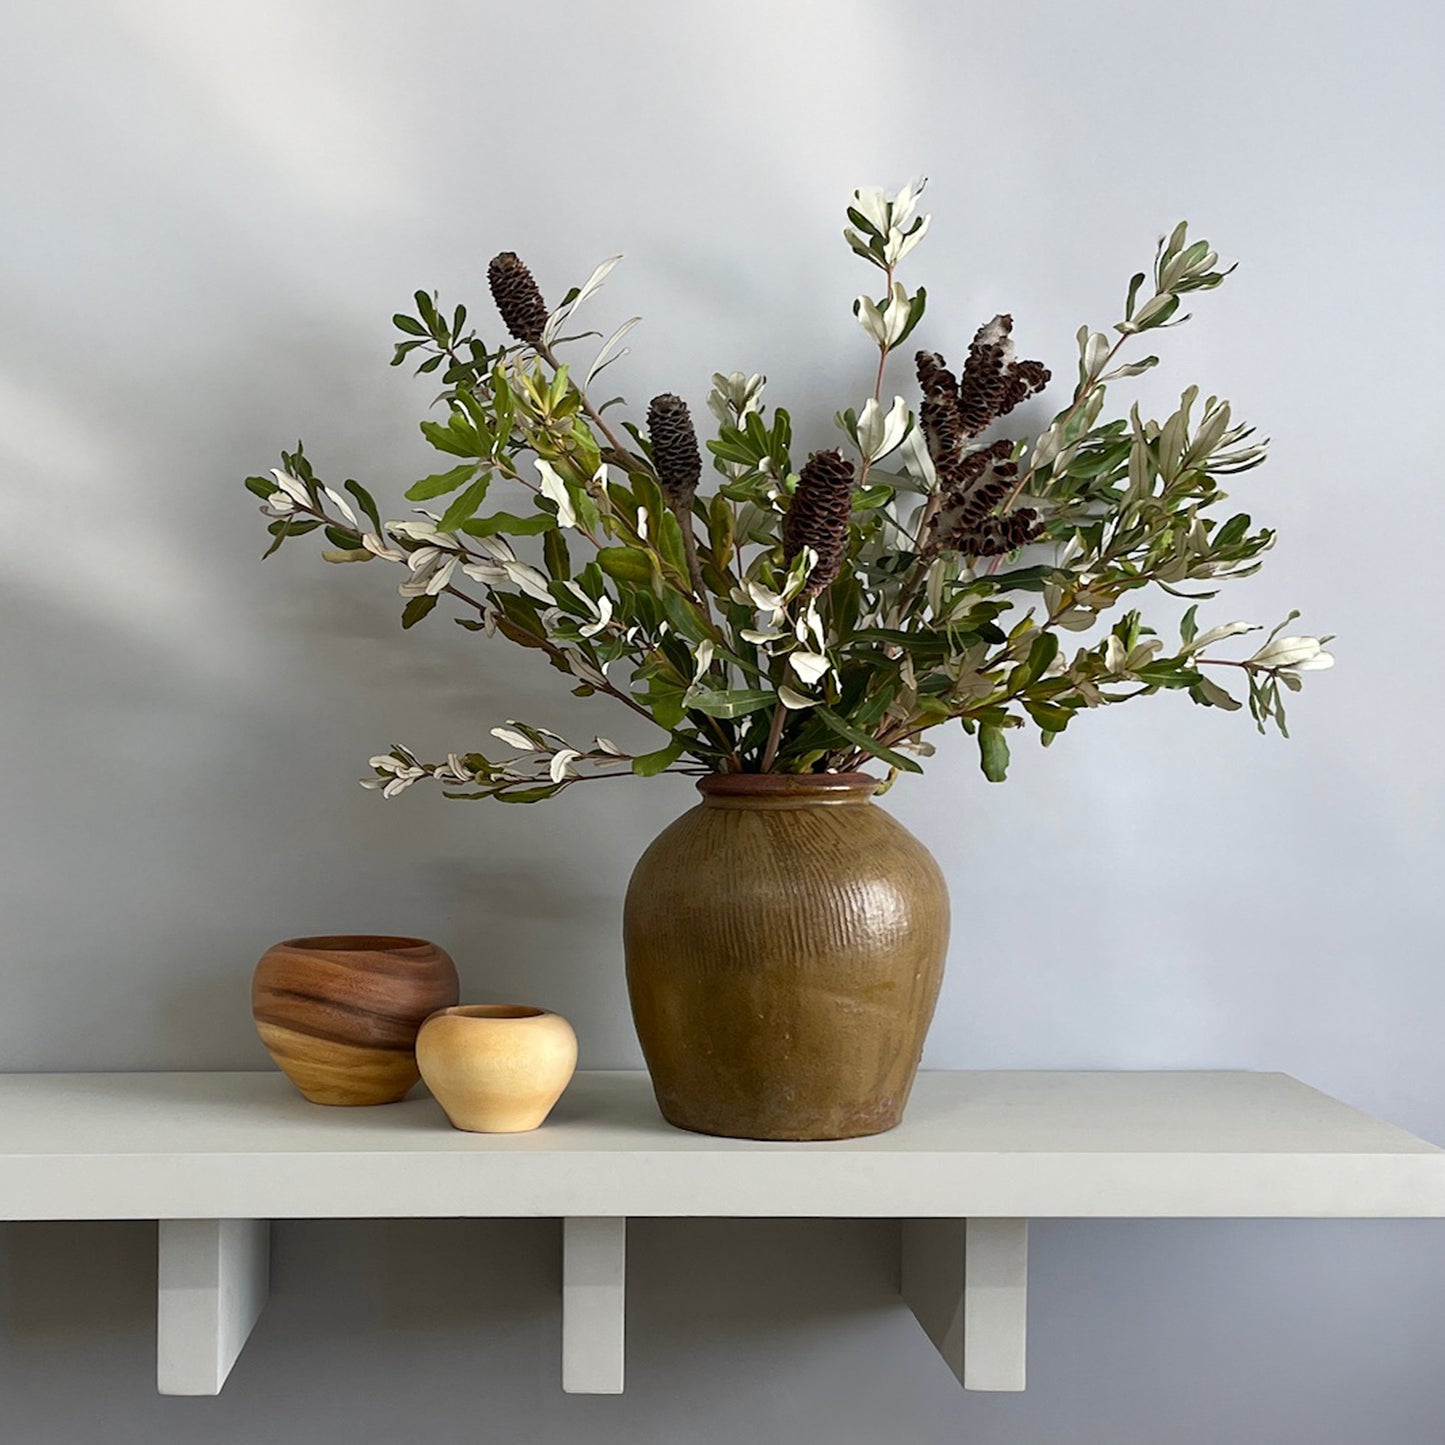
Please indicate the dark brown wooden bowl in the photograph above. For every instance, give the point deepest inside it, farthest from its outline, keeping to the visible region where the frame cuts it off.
(340, 1014)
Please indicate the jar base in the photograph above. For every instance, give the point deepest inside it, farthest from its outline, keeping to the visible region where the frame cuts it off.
(782, 1126)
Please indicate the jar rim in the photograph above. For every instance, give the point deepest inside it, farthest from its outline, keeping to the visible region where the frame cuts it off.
(788, 785)
(356, 943)
(496, 1012)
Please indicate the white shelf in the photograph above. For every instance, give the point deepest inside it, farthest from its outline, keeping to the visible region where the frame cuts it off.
(977, 1157)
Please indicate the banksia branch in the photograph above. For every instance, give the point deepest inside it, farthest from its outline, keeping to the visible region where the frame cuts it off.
(518, 298)
(818, 517)
(678, 464)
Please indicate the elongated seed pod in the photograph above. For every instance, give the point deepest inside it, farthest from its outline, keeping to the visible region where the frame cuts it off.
(818, 516)
(517, 296)
(674, 448)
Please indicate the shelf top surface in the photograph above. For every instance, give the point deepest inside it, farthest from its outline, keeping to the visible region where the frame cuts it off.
(1147, 1143)
(605, 1112)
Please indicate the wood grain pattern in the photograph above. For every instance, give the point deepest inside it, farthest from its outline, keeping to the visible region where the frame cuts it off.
(785, 944)
(340, 1014)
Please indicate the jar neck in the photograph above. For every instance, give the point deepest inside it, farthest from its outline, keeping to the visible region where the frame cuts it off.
(786, 790)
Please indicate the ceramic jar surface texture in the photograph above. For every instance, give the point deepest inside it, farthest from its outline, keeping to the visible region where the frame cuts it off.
(785, 944)
(340, 1014)
(496, 1068)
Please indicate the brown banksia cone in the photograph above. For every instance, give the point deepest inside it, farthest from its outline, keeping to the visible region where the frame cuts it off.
(994, 475)
(985, 380)
(818, 516)
(993, 382)
(934, 376)
(939, 414)
(517, 296)
(999, 535)
(968, 522)
(985, 463)
(1028, 378)
(994, 536)
(674, 448)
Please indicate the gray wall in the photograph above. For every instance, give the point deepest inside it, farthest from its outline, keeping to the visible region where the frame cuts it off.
(210, 213)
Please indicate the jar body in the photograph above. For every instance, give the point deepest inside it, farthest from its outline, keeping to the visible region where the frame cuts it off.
(340, 1014)
(496, 1068)
(785, 944)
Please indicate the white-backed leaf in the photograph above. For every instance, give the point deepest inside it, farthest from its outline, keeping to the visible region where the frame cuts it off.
(555, 490)
(556, 320)
(511, 737)
(608, 346)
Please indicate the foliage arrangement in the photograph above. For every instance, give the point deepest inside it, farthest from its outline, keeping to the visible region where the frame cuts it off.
(812, 617)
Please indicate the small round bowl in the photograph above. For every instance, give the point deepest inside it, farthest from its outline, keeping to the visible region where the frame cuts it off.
(339, 1014)
(496, 1068)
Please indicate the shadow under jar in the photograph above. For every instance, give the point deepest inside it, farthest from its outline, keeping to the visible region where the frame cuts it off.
(340, 1014)
(785, 944)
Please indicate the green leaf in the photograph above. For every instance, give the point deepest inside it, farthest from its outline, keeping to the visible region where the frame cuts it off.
(428, 312)
(738, 702)
(1043, 651)
(441, 483)
(529, 795)
(670, 543)
(409, 324)
(863, 223)
(364, 500)
(684, 616)
(1208, 693)
(1160, 316)
(629, 564)
(728, 448)
(650, 764)
(1167, 674)
(464, 506)
(415, 609)
(292, 525)
(457, 436)
(279, 532)
(1134, 285)
(1188, 627)
(1050, 716)
(589, 519)
(510, 524)
(993, 752)
(556, 556)
(870, 745)
(665, 703)
(720, 530)
(1024, 579)
(262, 487)
(872, 497)
(1234, 530)
(916, 305)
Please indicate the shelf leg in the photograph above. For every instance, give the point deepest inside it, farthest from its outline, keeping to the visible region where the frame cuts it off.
(594, 1267)
(214, 1275)
(966, 1282)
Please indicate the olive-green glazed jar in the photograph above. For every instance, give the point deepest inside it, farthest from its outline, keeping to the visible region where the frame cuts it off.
(785, 942)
